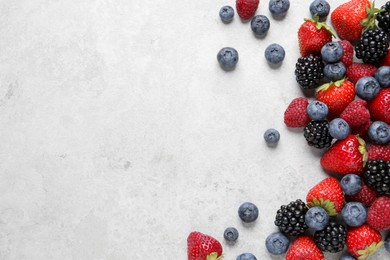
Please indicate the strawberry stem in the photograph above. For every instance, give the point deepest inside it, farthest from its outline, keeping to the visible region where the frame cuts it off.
(370, 21)
(320, 25)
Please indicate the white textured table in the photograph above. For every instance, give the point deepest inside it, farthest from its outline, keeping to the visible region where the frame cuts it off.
(120, 133)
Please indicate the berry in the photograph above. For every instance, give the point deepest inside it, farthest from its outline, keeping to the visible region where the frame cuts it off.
(321, 8)
(378, 213)
(332, 238)
(348, 51)
(356, 113)
(295, 115)
(317, 134)
(246, 8)
(377, 151)
(317, 110)
(304, 247)
(351, 184)
(380, 106)
(274, 53)
(248, 212)
(231, 234)
(359, 70)
(382, 75)
(347, 257)
(363, 241)
(317, 218)
(201, 246)
(367, 88)
(277, 243)
(260, 25)
(227, 58)
(309, 71)
(373, 46)
(335, 71)
(383, 18)
(379, 132)
(387, 243)
(246, 256)
(377, 176)
(354, 214)
(271, 136)
(339, 128)
(332, 51)
(278, 8)
(291, 218)
(366, 195)
(226, 13)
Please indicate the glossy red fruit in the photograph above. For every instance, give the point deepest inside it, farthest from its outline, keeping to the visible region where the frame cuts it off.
(203, 247)
(378, 215)
(246, 8)
(380, 106)
(363, 241)
(304, 248)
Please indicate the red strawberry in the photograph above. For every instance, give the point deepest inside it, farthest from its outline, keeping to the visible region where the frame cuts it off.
(356, 113)
(246, 8)
(347, 18)
(346, 156)
(295, 114)
(363, 241)
(347, 57)
(366, 195)
(379, 213)
(312, 35)
(380, 106)
(336, 95)
(203, 247)
(304, 247)
(328, 195)
(379, 152)
(359, 70)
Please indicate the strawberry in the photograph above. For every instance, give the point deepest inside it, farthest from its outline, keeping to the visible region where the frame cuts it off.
(328, 195)
(378, 216)
(366, 195)
(379, 152)
(246, 8)
(359, 70)
(347, 57)
(336, 95)
(312, 35)
(363, 241)
(347, 18)
(295, 114)
(380, 106)
(346, 156)
(304, 247)
(356, 113)
(203, 247)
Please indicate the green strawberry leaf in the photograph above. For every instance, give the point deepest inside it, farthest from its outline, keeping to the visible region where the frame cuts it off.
(362, 149)
(369, 250)
(320, 25)
(370, 21)
(214, 256)
(325, 204)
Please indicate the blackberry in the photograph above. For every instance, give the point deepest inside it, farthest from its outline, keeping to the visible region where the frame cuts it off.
(372, 46)
(309, 71)
(317, 134)
(291, 218)
(377, 175)
(383, 18)
(332, 238)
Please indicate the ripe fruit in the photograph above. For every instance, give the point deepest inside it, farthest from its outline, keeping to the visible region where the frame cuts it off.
(321, 8)
(246, 8)
(231, 234)
(295, 115)
(378, 213)
(366, 195)
(376, 152)
(317, 110)
(380, 106)
(291, 218)
(339, 128)
(373, 46)
(274, 54)
(351, 184)
(354, 214)
(382, 75)
(335, 71)
(332, 238)
(271, 136)
(328, 195)
(332, 52)
(278, 8)
(356, 113)
(359, 70)
(379, 132)
(260, 25)
(363, 241)
(346, 156)
(347, 57)
(312, 35)
(383, 18)
(248, 212)
(317, 134)
(246, 256)
(304, 248)
(227, 58)
(377, 176)
(367, 88)
(309, 71)
(203, 247)
(317, 218)
(226, 13)
(277, 243)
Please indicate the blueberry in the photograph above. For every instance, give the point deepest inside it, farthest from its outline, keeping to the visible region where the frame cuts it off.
(387, 243)
(351, 184)
(278, 8)
(317, 110)
(226, 13)
(260, 25)
(335, 71)
(332, 52)
(271, 136)
(367, 88)
(227, 58)
(379, 132)
(347, 257)
(382, 75)
(339, 128)
(230, 234)
(321, 8)
(248, 212)
(274, 53)
(277, 243)
(354, 214)
(317, 218)
(246, 256)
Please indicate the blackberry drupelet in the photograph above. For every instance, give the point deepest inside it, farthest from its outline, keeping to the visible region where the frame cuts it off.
(383, 18)
(291, 218)
(332, 238)
(317, 134)
(372, 46)
(377, 176)
(309, 71)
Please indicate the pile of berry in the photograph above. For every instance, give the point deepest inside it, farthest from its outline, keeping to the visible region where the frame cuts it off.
(345, 112)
